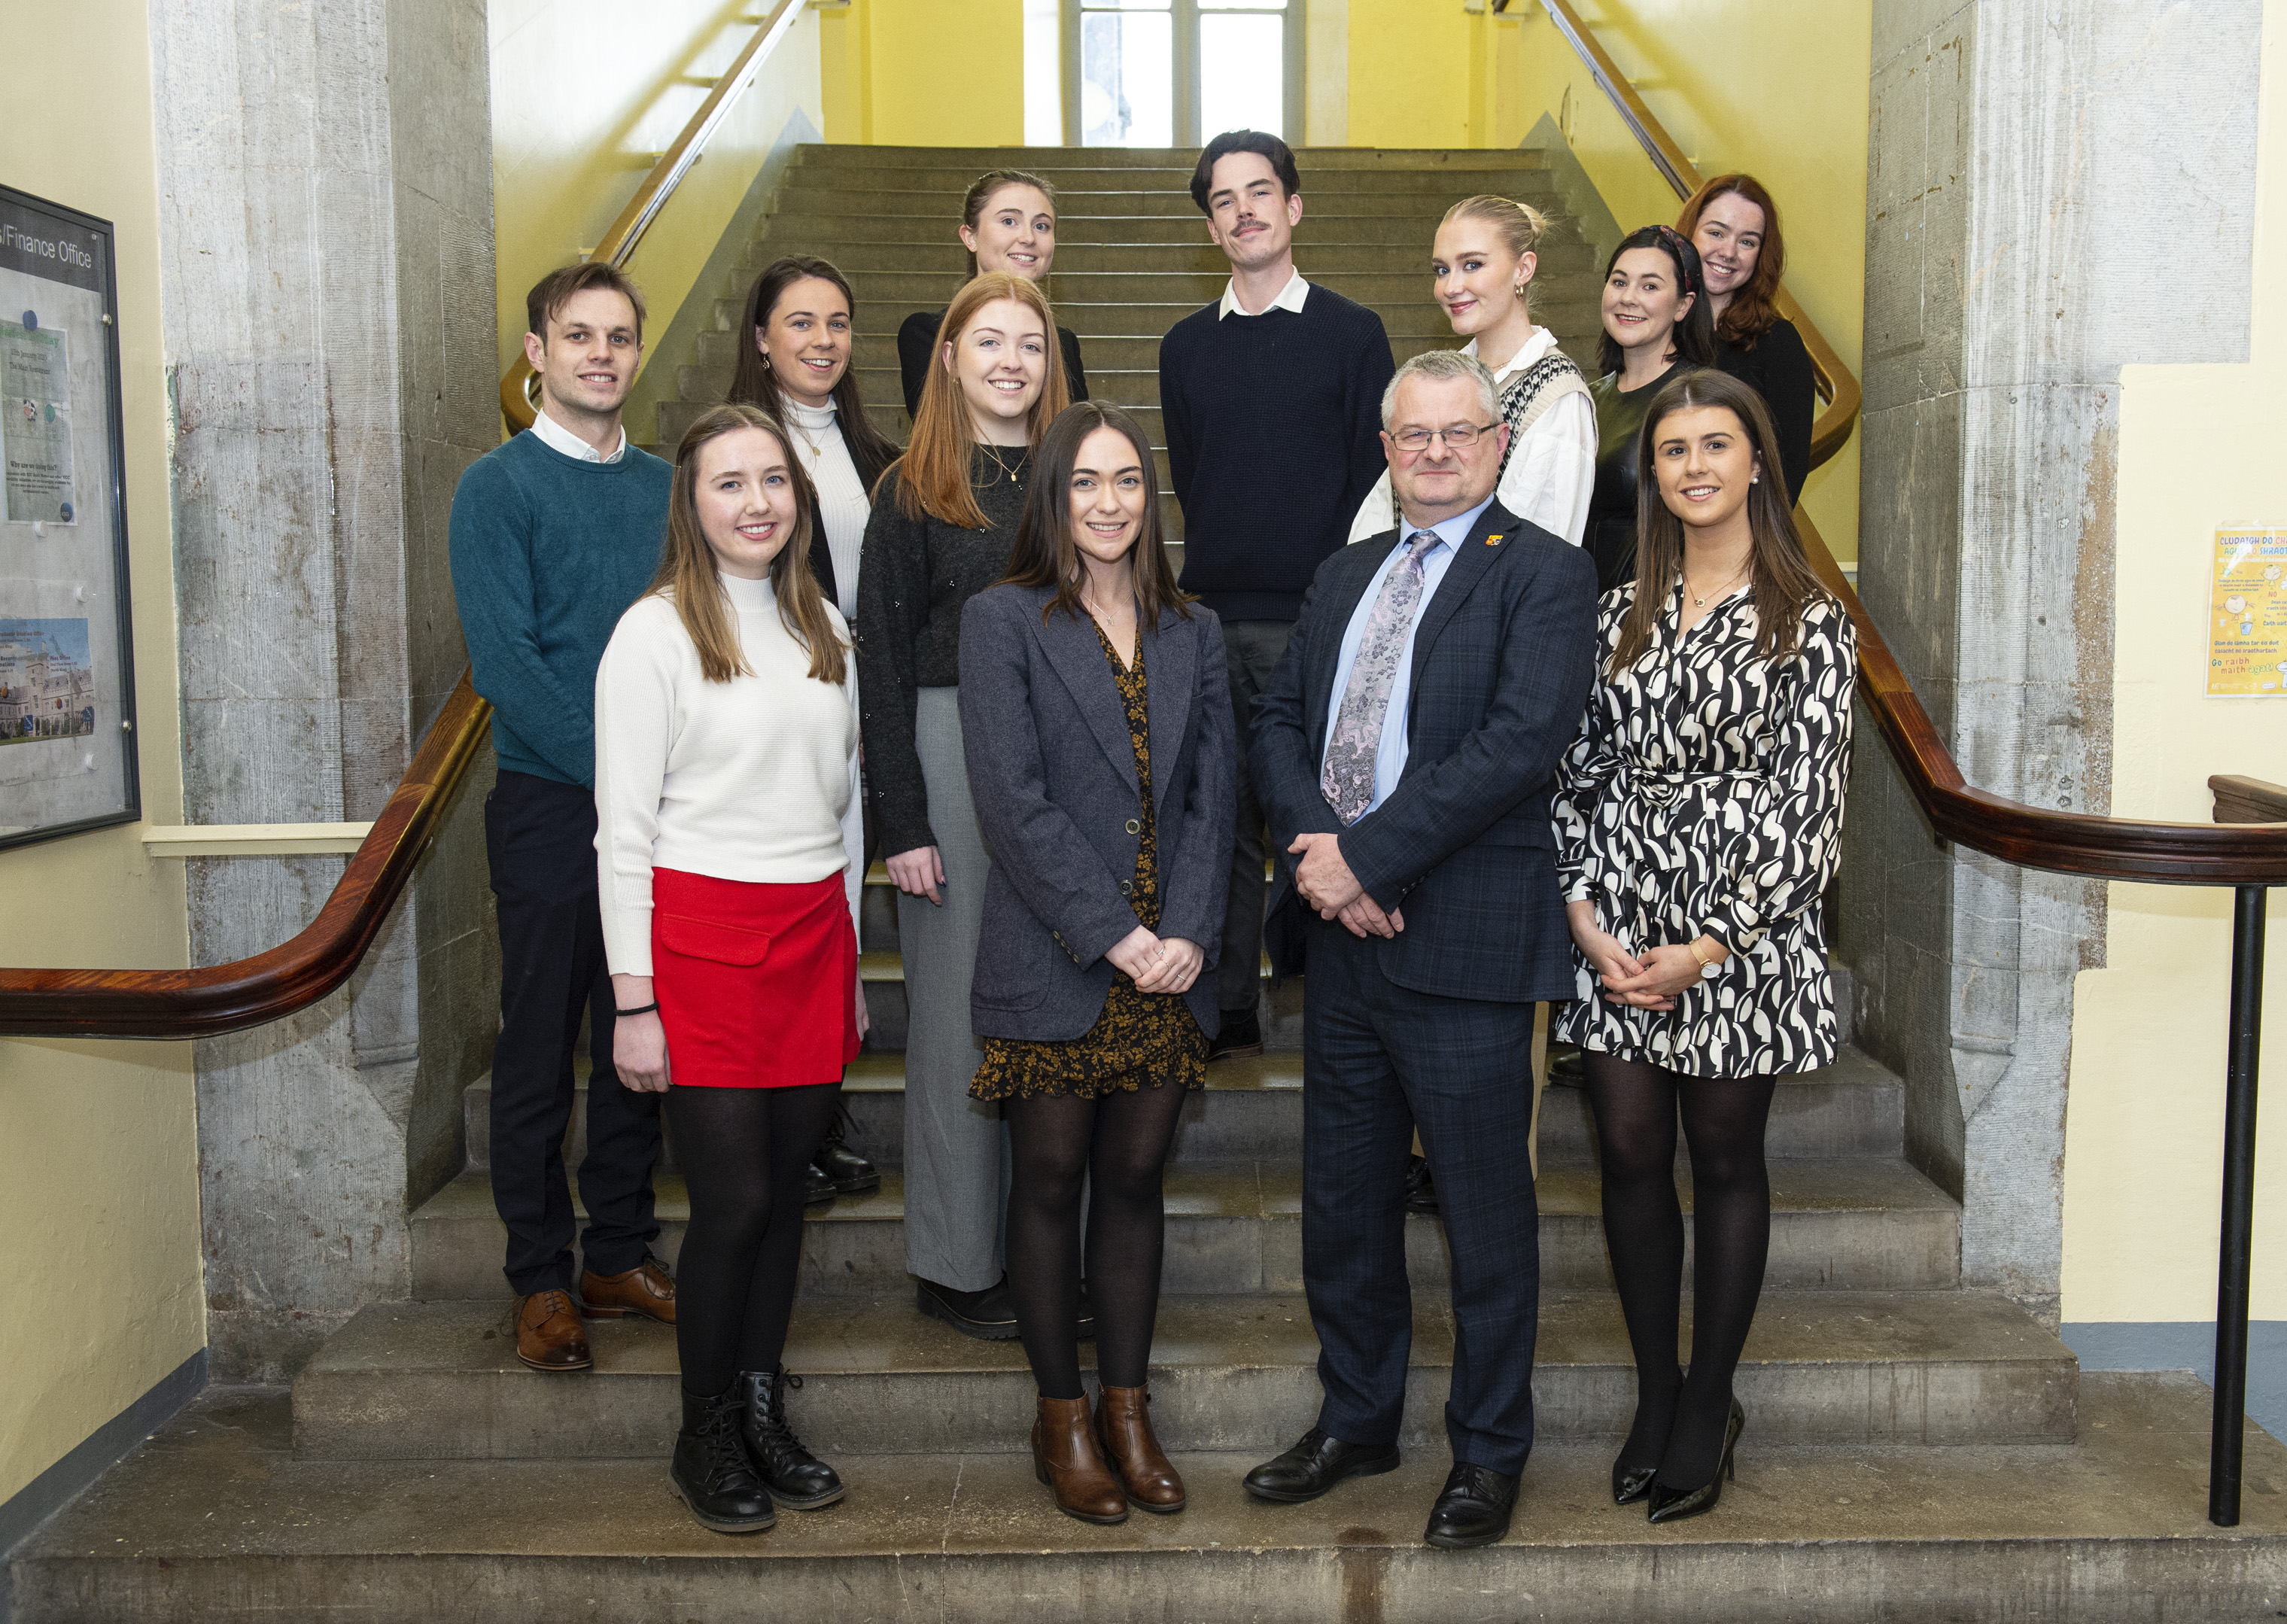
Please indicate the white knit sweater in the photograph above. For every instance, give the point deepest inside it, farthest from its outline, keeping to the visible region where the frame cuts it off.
(753, 780)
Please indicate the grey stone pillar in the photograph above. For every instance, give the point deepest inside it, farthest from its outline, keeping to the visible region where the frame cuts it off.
(326, 228)
(2056, 189)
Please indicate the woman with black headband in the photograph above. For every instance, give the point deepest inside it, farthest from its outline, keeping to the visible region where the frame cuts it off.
(1656, 325)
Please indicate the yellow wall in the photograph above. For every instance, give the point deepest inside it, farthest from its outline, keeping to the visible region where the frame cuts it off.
(575, 130)
(924, 73)
(98, 1160)
(2144, 1120)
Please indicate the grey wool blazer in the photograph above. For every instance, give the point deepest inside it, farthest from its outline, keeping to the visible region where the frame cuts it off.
(1052, 770)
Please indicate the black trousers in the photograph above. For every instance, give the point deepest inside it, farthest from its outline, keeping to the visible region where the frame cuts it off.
(540, 836)
(1254, 649)
(1379, 1061)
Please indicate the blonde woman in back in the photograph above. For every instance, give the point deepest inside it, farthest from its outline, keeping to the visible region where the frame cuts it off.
(1482, 265)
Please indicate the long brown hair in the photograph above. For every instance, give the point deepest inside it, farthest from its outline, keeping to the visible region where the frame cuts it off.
(1780, 582)
(1750, 314)
(752, 384)
(933, 476)
(1046, 555)
(989, 185)
(689, 578)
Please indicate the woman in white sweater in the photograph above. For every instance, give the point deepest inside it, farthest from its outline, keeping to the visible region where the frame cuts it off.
(726, 769)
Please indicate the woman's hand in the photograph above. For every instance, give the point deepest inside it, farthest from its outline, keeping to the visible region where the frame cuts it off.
(864, 1014)
(1610, 961)
(1664, 972)
(1179, 966)
(918, 873)
(1136, 955)
(639, 1041)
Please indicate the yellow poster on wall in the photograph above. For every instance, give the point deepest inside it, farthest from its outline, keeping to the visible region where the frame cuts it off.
(2247, 616)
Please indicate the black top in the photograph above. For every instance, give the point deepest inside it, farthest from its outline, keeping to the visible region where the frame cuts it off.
(915, 577)
(1274, 439)
(1780, 367)
(917, 340)
(1611, 536)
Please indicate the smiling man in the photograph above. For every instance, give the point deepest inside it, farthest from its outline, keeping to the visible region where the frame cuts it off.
(1269, 397)
(554, 534)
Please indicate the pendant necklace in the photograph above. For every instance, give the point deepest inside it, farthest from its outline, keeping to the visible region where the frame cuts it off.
(1699, 600)
(994, 454)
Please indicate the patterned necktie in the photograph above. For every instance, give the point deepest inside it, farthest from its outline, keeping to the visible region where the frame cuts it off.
(1347, 781)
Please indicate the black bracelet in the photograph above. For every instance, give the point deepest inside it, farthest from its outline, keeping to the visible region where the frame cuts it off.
(640, 1010)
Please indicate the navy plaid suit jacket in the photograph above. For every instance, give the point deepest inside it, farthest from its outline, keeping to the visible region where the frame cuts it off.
(1504, 658)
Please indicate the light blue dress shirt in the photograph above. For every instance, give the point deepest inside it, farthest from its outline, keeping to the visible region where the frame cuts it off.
(1390, 755)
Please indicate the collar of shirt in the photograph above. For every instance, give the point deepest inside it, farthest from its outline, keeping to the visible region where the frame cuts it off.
(1290, 297)
(1451, 533)
(1534, 348)
(556, 437)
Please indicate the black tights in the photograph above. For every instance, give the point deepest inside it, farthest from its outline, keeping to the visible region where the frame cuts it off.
(1117, 1148)
(1679, 1422)
(744, 1153)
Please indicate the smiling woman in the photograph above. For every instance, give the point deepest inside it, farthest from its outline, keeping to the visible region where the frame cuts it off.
(1735, 226)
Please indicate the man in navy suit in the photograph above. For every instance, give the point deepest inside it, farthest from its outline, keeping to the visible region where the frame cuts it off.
(1404, 749)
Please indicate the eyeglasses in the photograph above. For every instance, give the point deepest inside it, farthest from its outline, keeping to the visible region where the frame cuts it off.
(1460, 437)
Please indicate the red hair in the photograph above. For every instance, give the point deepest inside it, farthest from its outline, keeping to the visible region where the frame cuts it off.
(1750, 314)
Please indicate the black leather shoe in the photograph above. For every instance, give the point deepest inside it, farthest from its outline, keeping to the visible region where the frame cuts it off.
(987, 1315)
(1240, 1033)
(711, 1472)
(1474, 1509)
(794, 1475)
(1315, 1464)
(850, 1173)
(1421, 1189)
(1565, 1070)
(817, 1187)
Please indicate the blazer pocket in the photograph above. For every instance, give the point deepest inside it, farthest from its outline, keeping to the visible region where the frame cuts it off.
(701, 939)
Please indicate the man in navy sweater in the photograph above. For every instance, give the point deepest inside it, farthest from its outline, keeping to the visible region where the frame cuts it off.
(554, 534)
(1272, 401)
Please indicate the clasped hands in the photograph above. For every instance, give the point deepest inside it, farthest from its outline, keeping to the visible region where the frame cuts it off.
(1327, 884)
(1157, 963)
(1646, 980)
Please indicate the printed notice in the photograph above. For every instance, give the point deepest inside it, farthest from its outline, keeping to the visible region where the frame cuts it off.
(2247, 618)
(35, 437)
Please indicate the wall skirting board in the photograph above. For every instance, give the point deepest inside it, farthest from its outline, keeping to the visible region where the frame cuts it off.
(2189, 1344)
(47, 1493)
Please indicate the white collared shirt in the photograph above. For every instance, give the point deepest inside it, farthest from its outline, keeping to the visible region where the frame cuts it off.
(1551, 474)
(1290, 297)
(556, 437)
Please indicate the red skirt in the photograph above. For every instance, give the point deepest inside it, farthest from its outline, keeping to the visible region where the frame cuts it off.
(757, 984)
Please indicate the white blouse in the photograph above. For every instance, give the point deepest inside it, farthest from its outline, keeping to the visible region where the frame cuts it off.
(753, 780)
(1551, 474)
(843, 507)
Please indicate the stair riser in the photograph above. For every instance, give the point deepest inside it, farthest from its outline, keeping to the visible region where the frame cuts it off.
(523, 1416)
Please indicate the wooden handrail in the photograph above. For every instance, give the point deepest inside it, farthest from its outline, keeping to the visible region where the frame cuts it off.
(618, 243)
(2238, 853)
(192, 1003)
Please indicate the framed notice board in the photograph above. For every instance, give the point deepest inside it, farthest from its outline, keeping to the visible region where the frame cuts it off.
(67, 759)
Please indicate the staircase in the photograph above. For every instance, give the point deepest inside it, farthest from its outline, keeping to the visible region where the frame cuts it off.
(1915, 1450)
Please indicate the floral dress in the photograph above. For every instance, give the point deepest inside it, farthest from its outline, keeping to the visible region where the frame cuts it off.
(1141, 1038)
(1705, 796)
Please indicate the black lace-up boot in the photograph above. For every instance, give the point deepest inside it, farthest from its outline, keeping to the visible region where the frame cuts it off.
(711, 1470)
(796, 1477)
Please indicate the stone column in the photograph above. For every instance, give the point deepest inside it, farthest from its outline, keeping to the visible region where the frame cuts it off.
(326, 229)
(2055, 190)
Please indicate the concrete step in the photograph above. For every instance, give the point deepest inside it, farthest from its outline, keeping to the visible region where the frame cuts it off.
(1235, 1226)
(215, 1517)
(440, 1380)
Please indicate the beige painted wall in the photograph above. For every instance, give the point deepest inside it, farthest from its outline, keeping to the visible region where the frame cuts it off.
(2144, 1120)
(99, 1162)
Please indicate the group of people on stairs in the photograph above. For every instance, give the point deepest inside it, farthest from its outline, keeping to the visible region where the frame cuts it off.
(1522, 681)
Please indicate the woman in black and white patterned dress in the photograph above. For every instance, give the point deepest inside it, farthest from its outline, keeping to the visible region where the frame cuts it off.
(1699, 818)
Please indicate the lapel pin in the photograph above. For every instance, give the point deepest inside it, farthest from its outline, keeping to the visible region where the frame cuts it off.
(1493, 541)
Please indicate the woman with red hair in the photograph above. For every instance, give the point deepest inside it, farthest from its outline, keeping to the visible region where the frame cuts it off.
(1734, 224)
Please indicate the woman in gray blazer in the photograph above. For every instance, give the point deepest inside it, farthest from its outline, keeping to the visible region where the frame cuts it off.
(1095, 718)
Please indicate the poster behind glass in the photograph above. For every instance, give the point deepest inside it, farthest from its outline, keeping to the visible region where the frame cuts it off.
(67, 670)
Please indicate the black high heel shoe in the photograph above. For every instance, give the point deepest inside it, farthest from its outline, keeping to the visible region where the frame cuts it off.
(1631, 1484)
(1673, 1505)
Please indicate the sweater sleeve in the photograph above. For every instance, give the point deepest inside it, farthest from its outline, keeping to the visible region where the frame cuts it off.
(1175, 420)
(1553, 471)
(491, 549)
(916, 338)
(635, 730)
(1780, 367)
(1378, 514)
(892, 602)
(1075, 371)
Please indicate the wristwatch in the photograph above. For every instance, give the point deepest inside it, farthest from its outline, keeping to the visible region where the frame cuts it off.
(1708, 968)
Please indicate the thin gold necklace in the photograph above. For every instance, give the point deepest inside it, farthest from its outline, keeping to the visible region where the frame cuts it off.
(993, 452)
(1699, 600)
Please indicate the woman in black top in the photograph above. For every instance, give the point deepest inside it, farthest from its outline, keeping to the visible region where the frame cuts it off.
(1735, 226)
(1008, 224)
(944, 521)
(1656, 324)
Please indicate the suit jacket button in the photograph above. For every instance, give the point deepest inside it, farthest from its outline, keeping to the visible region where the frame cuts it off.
(1134, 826)
(1127, 888)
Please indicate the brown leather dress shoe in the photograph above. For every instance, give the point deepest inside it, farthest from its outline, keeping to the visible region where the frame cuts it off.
(548, 1333)
(647, 1289)
(1123, 1427)
(1065, 1457)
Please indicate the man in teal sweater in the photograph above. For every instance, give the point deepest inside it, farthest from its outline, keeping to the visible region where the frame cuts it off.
(554, 534)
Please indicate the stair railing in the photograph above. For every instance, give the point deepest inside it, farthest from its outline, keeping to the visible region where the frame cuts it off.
(251, 992)
(2245, 848)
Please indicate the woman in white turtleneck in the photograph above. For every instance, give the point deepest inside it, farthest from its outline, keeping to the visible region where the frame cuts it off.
(800, 319)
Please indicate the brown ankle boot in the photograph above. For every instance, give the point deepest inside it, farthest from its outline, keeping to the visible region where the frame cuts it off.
(1065, 1457)
(1123, 1427)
